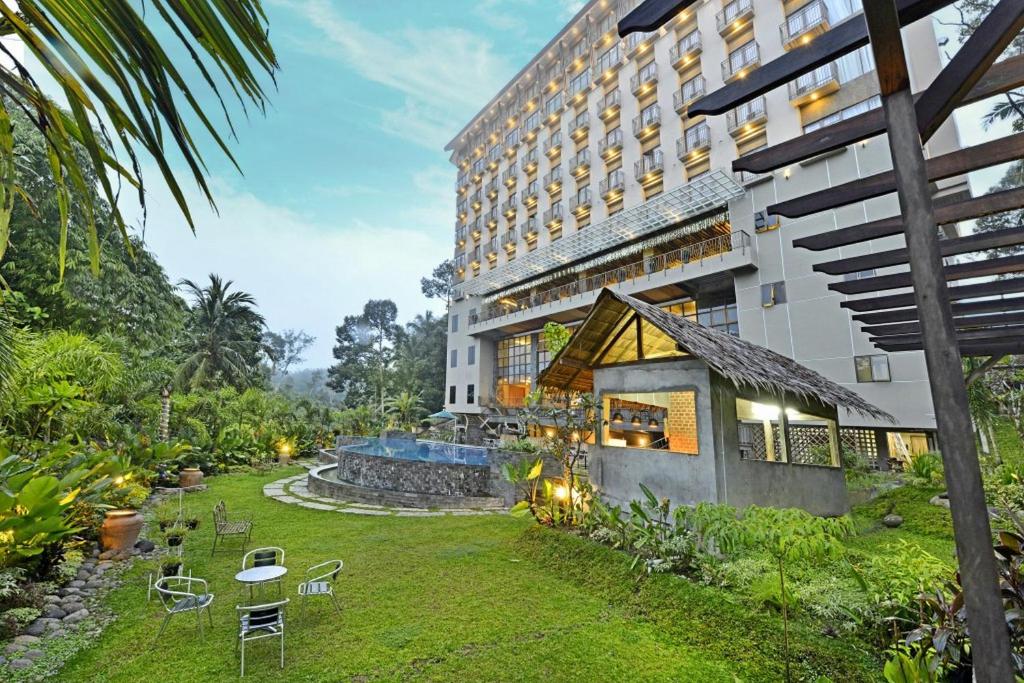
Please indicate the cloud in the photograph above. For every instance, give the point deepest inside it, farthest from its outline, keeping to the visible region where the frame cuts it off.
(444, 75)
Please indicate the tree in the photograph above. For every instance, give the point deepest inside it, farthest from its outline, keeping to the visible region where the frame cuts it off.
(440, 283)
(420, 358)
(405, 409)
(119, 79)
(285, 349)
(365, 351)
(224, 336)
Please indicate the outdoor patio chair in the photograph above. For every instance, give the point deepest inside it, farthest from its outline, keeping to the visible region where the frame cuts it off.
(178, 597)
(323, 584)
(257, 622)
(222, 527)
(265, 557)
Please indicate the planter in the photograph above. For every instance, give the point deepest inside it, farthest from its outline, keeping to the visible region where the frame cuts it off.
(189, 477)
(120, 529)
(170, 569)
(283, 459)
(191, 524)
(175, 541)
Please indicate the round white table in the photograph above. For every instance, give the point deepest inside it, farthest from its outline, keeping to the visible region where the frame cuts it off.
(258, 575)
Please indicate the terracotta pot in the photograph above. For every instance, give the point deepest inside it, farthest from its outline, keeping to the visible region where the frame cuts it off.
(120, 529)
(190, 476)
(283, 459)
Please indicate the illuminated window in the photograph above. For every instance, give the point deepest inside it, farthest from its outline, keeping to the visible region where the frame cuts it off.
(515, 369)
(872, 368)
(662, 420)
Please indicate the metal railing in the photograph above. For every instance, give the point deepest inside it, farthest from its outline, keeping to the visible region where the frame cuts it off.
(690, 90)
(508, 206)
(529, 160)
(508, 238)
(609, 104)
(579, 124)
(647, 75)
(741, 60)
(580, 200)
(554, 143)
(648, 119)
(736, 9)
(510, 176)
(686, 46)
(695, 138)
(613, 140)
(554, 177)
(528, 230)
(616, 180)
(809, 18)
(677, 258)
(553, 215)
(745, 113)
(579, 160)
(652, 162)
(809, 82)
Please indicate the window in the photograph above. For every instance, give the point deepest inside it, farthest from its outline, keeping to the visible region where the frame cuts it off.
(553, 105)
(717, 313)
(650, 114)
(455, 322)
(764, 221)
(609, 58)
(773, 293)
(533, 121)
(843, 114)
(859, 275)
(580, 82)
(782, 433)
(512, 139)
(471, 356)
(663, 420)
(471, 394)
(451, 394)
(455, 358)
(872, 368)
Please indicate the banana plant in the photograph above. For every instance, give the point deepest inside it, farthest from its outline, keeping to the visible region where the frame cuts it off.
(33, 509)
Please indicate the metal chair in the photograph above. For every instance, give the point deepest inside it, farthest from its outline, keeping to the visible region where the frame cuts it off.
(257, 622)
(322, 584)
(265, 557)
(178, 601)
(222, 527)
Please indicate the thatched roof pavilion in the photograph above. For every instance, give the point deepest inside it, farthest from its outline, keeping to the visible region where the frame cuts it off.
(623, 329)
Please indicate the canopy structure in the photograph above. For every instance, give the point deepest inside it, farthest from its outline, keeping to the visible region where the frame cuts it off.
(621, 328)
(441, 416)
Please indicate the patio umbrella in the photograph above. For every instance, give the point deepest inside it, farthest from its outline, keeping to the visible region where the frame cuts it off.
(441, 416)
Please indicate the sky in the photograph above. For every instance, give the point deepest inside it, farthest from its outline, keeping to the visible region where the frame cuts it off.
(346, 192)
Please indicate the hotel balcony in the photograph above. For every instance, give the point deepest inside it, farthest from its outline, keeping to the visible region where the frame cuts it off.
(460, 235)
(509, 239)
(581, 203)
(508, 208)
(741, 62)
(479, 166)
(611, 145)
(802, 26)
(529, 130)
(528, 230)
(492, 248)
(734, 16)
(491, 189)
(639, 42)
(460, 264)
(644, 80)
(814, 85)
(613, 185)
(493, 158)
(553, 180)
(695, 262)
(462, 184)
(746, 178)
(491, 219)
(528, 197)
(695, 143)
(474, 256)
(476, 200)
(690, 91)
(605, 71)
(462, 210)
(510, 177)
(609, 105)
(476, 228)
(553, 145)
(529, 161)
(686, 50)
(579, 126)
(647, 123)
(511, 144)
(747, 119)
(579, 165)
(531, 93)
(650, 167)
(553, 217)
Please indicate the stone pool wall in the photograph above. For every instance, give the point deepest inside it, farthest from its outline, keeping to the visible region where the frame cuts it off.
(412, 476)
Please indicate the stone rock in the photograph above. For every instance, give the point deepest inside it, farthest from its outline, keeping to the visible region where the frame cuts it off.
(94, 584)
(13, 648)
(80, 583)
(26, 640)
(107, 564)
(54, 612)
(107, 554)
(941, 501)
(51, 599)
(145, 546)
(20, 663)
(3, 660)
(34, 654)
(83, 575)
(36, 628)
(58, 633)
(892, 521)
(76, 617)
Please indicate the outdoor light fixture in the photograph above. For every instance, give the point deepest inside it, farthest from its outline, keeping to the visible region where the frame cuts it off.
(617, 417)
(635, 421)
(653, 424)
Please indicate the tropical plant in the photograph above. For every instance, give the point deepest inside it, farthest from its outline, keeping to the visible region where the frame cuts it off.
(115, 75)
(33, 509)
(225, 336)
(927, 469)
(556, 336)
(525, 476)
(405, 409)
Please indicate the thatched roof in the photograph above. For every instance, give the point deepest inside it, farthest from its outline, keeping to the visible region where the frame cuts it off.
(618, 324)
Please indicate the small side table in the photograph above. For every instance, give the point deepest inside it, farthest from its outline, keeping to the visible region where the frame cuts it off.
(260, 575)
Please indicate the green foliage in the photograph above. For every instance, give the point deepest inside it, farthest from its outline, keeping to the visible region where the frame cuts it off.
(366, 351)
(33, 509)
(926, 469)
(404, 410)
(520, 445)
(556, 336)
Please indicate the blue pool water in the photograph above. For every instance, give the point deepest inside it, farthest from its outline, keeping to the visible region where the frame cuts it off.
(426, 451)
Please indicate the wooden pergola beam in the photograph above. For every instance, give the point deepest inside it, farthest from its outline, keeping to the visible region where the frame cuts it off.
(989, 321)
(959, 293)
(960, 271)
(899, 315)
(651, 15)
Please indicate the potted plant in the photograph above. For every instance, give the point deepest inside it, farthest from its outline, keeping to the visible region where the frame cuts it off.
(170, 566)
(165, 522)
(189, 477)
(123, 522)
(175, 537)
(191, 523)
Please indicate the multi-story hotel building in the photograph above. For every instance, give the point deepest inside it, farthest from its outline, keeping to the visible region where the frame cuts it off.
(585, 172)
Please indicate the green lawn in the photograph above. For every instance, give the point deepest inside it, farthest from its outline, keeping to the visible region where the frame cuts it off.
(484, 598)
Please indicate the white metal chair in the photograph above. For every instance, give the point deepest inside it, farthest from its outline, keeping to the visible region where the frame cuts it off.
(178, 597)
(257, 622)
(265, 557)
(323, 584)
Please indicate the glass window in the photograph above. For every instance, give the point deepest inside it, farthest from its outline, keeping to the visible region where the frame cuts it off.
(451, 394)
(773, 293)
(609, 58)
(664, 420)
(843, 114)
(718, 313)
(872, 368)
(455, 358)
(514, 369)
(471, 355)
(471, 394)
(455, 322)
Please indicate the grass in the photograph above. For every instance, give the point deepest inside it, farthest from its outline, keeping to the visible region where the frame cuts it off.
(482, 598)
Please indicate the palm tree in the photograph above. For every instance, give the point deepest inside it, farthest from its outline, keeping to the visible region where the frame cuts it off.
(225, 333)
(405, 409)
(124, 92)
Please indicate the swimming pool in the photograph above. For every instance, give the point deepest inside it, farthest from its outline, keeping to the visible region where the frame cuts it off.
(423, 451)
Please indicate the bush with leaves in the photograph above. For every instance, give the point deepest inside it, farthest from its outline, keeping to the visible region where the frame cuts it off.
(926, 469)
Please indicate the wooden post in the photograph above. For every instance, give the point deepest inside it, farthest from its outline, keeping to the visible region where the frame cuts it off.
(989, 635)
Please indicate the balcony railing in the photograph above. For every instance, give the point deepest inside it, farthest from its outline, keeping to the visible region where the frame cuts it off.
(492, 247)
(686, 50)
(690, 91)
(649, 167)
(476, 200)
(581, 202)
(741, 62)
(811, 86)
(460, 235)
(747, 118)
(462, 210)
(491, 219)
(802, 26)
(747, 178)
(579, 126)
(677, 258)
(491, 188)
(609, 105)
(474, 256)
(644, 79)
(615, 182)
(553, 180)
(638, 41)
(528, 230)
(509, 239)
(580, 163)
(508, 207)
(509, 177)
(611, 144)
(553, 216)
(529, 162)
(462, 182)
(647, 122)
(529, 196)
(553, 145)
(694, 142)
(734, 15)
(476, 228)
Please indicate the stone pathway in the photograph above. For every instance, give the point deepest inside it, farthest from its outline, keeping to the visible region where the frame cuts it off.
(293, 491)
